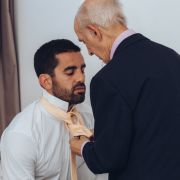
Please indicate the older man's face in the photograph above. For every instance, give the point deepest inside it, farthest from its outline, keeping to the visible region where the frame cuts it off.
(93, 44)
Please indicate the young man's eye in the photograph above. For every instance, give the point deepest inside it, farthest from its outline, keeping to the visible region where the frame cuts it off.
(82, 70)
(70, 72)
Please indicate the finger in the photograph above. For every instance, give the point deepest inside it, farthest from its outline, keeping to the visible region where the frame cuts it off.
(83, 137)
(77, 137)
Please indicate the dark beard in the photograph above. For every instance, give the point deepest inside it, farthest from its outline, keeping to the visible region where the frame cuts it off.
(77, 98)
(67, 95)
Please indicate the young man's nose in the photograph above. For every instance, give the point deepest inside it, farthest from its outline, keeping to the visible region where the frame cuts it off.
(80, 76)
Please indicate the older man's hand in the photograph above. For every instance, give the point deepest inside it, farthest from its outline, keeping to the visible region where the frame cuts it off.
(76, 144)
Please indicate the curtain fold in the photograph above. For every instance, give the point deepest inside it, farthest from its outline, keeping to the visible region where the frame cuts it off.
(9, 81)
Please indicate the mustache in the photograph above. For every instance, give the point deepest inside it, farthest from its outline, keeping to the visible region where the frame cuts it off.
(79, 85)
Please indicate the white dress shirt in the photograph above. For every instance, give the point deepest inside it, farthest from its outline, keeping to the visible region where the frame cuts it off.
(36, 145)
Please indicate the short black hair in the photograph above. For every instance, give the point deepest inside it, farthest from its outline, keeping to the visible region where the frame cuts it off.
(44, 58)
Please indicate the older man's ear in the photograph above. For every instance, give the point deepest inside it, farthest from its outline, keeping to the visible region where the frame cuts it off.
(95, 31)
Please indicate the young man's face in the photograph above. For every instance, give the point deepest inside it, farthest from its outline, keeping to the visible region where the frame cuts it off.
(69, 78)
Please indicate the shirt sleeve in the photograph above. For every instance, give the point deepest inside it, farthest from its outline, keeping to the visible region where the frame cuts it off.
(18, 156)
(113, 129)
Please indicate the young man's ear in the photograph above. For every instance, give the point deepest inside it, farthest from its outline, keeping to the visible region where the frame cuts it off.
(45, 81)
(95, 31)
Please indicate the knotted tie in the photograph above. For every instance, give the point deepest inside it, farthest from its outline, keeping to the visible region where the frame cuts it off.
(74, 123)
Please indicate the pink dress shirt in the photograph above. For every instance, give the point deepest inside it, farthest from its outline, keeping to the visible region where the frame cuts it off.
(119, 39)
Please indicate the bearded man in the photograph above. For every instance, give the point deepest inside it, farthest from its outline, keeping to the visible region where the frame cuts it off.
(36, 143)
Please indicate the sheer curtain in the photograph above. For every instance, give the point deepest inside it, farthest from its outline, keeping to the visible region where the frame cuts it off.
(9, 84)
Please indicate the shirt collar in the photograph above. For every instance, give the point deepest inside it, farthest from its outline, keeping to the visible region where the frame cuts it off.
(56, 101)
(119, 39)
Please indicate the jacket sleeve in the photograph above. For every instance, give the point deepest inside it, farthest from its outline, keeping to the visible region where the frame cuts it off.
(113, 129)
(17, 156)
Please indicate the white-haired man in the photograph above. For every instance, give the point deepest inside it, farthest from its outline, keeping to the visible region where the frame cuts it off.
(135, 99)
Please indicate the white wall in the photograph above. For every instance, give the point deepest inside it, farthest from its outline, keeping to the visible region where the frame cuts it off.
(157, 19)
(38, 22)
(44, 20)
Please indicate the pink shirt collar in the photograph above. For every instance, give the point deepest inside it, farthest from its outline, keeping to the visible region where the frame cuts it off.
(119, 39)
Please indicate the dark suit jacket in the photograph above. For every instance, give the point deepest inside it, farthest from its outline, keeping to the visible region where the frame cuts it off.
(136, 105)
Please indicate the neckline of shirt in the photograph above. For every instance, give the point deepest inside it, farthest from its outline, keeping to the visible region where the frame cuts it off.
(56, 101)
(119, 39)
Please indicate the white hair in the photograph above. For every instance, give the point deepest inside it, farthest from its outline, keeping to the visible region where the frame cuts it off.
(100, 12)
